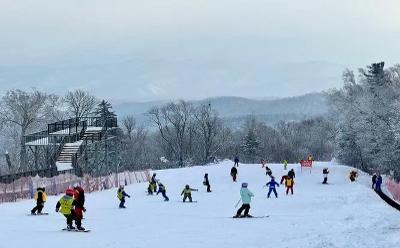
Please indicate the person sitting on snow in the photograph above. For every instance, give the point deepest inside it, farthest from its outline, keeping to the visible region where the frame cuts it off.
(272, 187)
(187, 193)
(121, 194)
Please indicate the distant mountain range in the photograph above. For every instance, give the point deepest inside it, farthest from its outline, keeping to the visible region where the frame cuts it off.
(234, 110)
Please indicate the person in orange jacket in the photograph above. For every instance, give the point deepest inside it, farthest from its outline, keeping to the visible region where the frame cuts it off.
(289, 182)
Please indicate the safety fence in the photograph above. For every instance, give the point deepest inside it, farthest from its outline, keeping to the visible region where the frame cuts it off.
(24, 188)
(394, 188)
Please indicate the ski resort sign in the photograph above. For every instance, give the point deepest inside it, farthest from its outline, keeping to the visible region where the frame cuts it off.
(306, 164)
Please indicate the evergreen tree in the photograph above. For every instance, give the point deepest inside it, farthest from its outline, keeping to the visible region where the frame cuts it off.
(250, 144)
(104, 111)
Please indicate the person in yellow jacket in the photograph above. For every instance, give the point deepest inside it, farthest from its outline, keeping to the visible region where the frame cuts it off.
(40, 197)
(66, 207)
(289, 185)
(121, 194)
(187, 193)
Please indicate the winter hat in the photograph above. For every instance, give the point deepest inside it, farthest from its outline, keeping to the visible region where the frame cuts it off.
(69, 192)
(244, 185)
(76, 185)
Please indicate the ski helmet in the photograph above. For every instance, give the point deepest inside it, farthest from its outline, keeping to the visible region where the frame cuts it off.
(69, 192)
(244, 185)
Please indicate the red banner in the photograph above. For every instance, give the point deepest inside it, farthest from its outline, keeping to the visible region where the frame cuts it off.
(306, 163)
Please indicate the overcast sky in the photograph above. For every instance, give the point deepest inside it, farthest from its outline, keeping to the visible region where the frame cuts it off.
(149, 50)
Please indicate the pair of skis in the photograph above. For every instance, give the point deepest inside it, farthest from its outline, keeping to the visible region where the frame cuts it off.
(75, 230)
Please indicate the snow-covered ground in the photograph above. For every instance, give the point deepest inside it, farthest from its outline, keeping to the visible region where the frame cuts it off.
(341, 214)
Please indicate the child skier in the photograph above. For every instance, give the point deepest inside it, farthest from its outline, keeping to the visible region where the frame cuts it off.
(285, 163)
(121, 194)
(163, 190)
(206, 182)
(289, 185)
(40, 197)
(268, 171)
(284, 177)
(245, 197)
(187, 193)
(234, 173)
(263, 163)
(378, 183)
(325, 173)
(66, 207)
(272, 184)
(79, 196)
(153, 184)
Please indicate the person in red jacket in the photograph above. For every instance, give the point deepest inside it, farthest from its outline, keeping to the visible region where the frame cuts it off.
(79, 197)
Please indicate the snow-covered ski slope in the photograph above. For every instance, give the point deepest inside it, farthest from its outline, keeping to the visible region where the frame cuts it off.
(341, 214)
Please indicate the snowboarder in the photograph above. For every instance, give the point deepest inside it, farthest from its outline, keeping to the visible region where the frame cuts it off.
(66, 207)
(40, 197)
(163, 190)
(325, 173)
(121, 194)
(79, 196)
(153, 184)
(206, 182)
(236, 161)
(268, 171)
(245, 197)
(187, 193)
(378, 183)
(234, 173)
(291, 174)
(374, 180)
(353, 175)
(272, 187)
(285, 163)
(289, 184)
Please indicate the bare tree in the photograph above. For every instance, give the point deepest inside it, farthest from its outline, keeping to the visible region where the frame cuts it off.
(129, 124)
(80, 103)
(24, 110)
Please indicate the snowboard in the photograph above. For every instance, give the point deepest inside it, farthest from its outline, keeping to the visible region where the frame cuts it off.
(188, 201)
(254, 217)
(38, 214)
(74, 230)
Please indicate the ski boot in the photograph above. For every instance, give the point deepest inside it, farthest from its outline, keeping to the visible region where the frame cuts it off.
(70, 227)
(80, 228)
(248, 216)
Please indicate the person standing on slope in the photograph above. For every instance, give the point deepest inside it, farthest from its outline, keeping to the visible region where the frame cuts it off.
(285, 163)
(163, 190)
(153, 184)
(245, 197)
(206, 182)
(66, 207)
(291, 174)
(79, 196)
(374, 180)
(40, 197)
(268, 171)
(236, 160)
(263, 163)
(289, 185)
(121, 194)
(234, 173)
(187, 193)
(325, 173)
(378, 183)
(272, 187)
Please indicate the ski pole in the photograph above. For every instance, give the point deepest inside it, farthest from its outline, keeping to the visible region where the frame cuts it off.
(238, 203)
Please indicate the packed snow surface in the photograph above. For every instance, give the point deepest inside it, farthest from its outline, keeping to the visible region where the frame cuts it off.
(341, 214)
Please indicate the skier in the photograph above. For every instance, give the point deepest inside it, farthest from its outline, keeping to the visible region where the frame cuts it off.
(234, 173)
(66, 207)
(263, 162)
(325, 173)
(272, 184)
(284, 177)
(79, 196)
(374, 180)
(187, 193)
(245, 197)
(206, 182)
(268, 171)
(236, 161)
(40, 197)
(153, 183)
(121, 194)
(378, 183)
(353, 175)
(291, 174)
(163, 190)
(285, 163)
(289, 185)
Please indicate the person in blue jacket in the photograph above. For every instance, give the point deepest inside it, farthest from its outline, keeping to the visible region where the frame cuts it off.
(163, 190)
(378, 183)
(236, 160)
(272, 187)
(245, 197)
